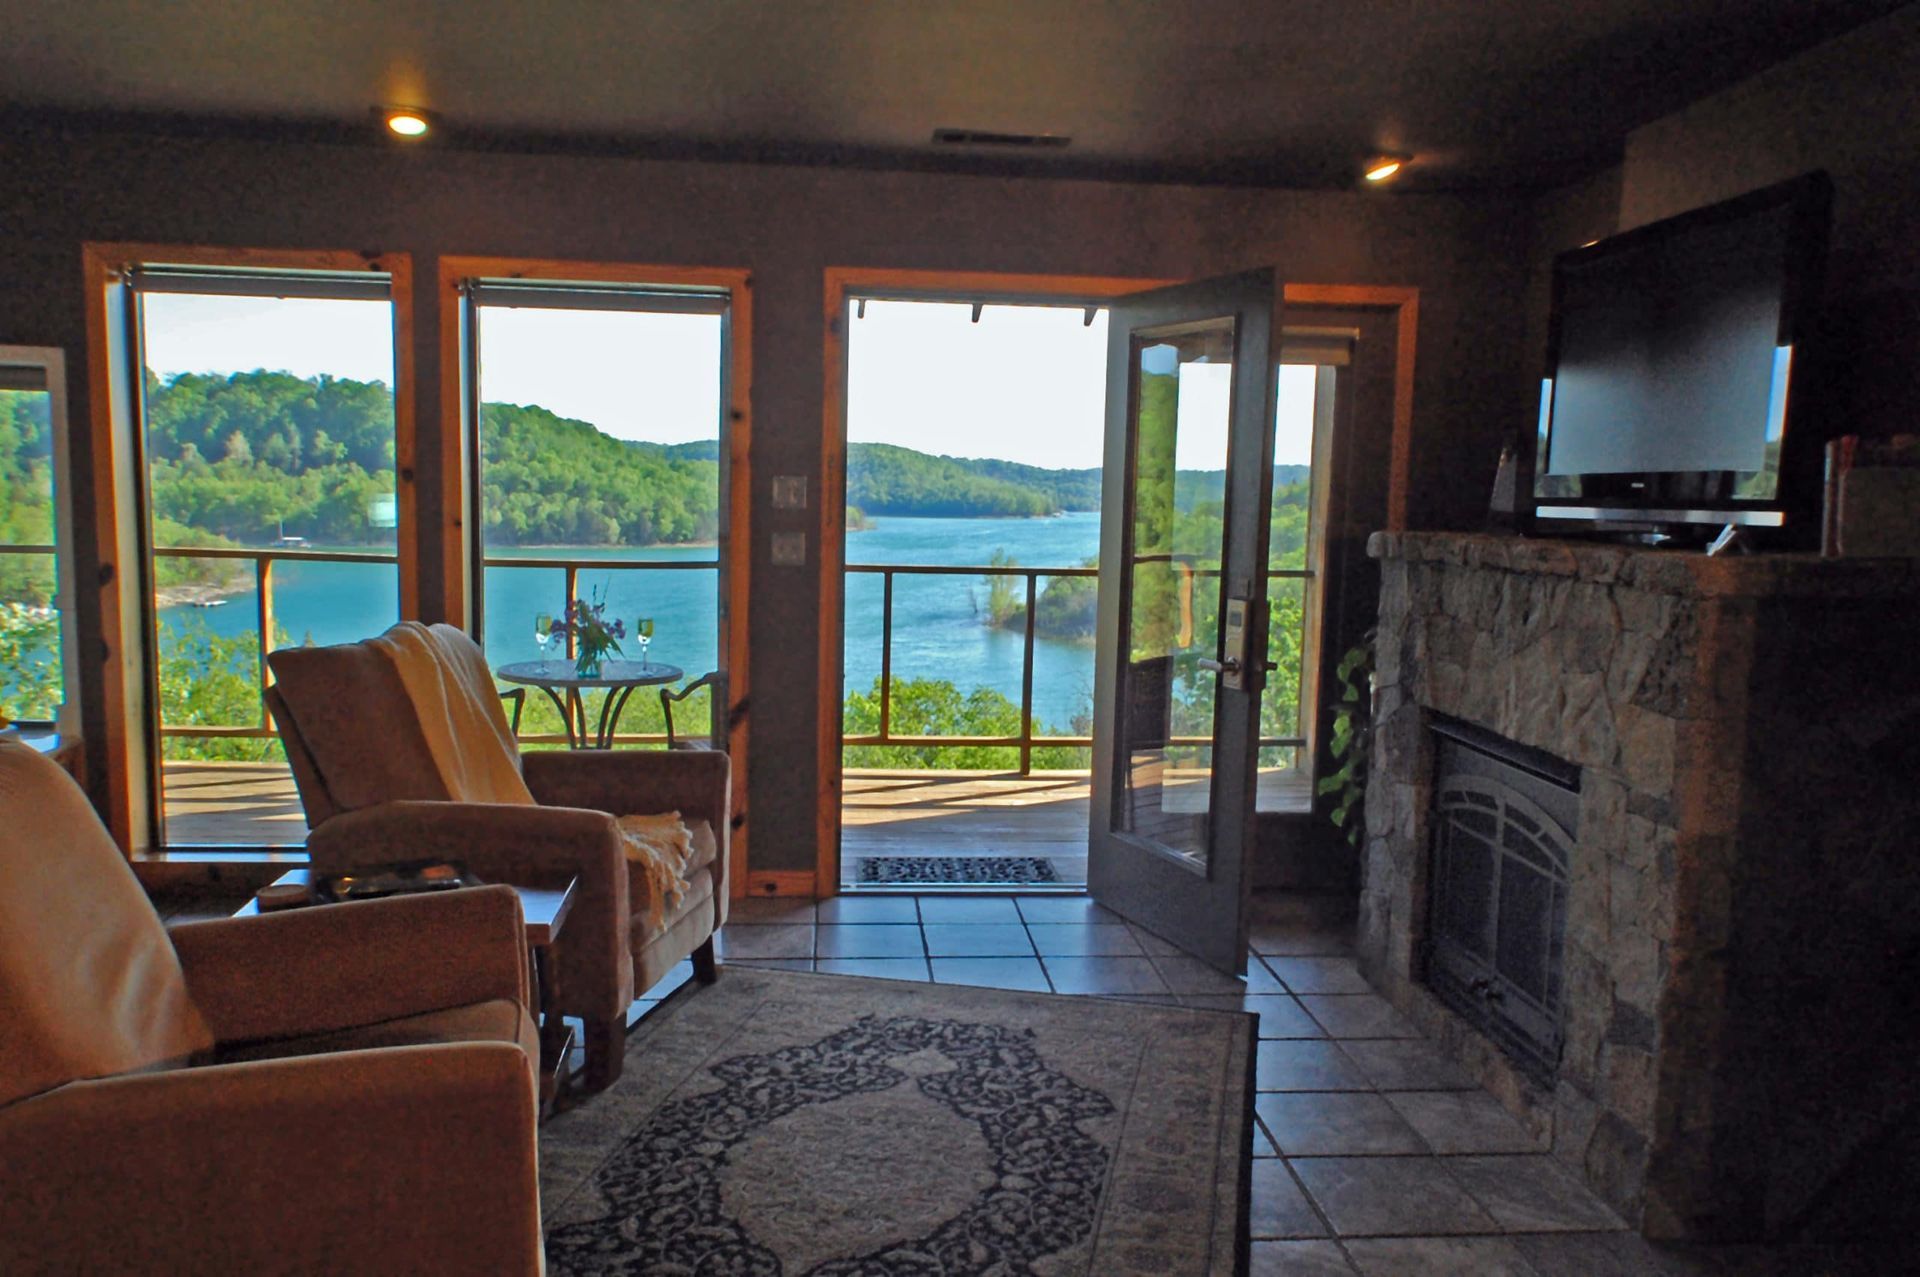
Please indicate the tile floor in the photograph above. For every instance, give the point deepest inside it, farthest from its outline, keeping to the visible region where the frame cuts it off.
(1370, 1153)
(1373, 1154)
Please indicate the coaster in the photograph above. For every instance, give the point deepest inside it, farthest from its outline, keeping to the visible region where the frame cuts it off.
(280, 896)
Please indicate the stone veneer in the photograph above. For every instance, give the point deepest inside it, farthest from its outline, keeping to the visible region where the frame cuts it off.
(1744, 909)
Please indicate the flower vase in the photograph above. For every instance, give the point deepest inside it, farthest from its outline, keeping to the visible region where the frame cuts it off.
(587, 665)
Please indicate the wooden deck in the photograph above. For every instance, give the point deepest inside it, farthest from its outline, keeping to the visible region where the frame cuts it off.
(232, 804)
(885, 813)
(920, 814)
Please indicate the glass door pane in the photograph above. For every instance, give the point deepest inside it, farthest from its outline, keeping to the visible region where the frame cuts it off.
(1181, 391)
(269, 446)
(1302, 428)
(31, 664)
(601, 453)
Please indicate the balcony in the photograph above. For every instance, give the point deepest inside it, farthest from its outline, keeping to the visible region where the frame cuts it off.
(1015, 810)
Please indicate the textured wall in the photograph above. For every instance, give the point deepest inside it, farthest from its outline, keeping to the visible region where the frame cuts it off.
(786, 224)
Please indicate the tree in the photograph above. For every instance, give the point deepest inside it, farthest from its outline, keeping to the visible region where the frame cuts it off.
(30, 674)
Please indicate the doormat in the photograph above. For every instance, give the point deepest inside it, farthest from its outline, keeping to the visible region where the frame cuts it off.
(1010, 870)
(786, 1123)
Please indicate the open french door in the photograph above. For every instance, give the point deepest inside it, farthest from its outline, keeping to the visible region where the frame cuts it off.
(1182, 656)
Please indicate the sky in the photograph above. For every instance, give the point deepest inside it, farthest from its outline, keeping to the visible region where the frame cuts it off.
(1026, 383)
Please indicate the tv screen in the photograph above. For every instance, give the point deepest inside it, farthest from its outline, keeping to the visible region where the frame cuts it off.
(1671, 361)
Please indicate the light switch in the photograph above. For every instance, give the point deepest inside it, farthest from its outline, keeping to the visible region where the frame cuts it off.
(789, 549)
(789, 492)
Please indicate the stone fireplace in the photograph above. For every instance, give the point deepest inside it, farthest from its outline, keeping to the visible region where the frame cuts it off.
(1685, 952)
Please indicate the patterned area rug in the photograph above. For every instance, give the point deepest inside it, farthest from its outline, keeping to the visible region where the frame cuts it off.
(999, 870)
(777, 1123)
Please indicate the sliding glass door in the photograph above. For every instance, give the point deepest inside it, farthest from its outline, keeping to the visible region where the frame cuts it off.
(268, 452)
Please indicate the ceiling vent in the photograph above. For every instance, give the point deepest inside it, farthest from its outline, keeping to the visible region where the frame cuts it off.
(1011, 141)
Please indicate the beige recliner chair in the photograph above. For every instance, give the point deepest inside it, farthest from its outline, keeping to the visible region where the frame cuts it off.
(340, 1089)
(373, 793)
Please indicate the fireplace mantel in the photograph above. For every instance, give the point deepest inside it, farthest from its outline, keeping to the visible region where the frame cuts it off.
(1744, 904)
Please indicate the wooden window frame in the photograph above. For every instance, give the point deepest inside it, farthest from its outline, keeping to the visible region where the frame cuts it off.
(459, 407)
(845, 283)
(131, 784)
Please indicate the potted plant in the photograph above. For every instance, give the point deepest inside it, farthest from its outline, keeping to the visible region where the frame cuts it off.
(1352, 742)
(594, 636)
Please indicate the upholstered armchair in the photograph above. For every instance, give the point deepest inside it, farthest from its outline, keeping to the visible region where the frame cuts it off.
(340, 1089)
(372, 793)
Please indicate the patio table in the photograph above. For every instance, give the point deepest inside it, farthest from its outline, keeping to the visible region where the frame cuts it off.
(563, 687)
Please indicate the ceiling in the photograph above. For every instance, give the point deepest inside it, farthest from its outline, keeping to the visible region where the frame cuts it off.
(1276, 92)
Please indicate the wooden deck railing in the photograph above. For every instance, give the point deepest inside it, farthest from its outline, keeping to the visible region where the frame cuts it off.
(263, 562)
(1024, 740)
(571, 590)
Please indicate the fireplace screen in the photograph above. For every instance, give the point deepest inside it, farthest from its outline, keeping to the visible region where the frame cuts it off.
(1504, 818)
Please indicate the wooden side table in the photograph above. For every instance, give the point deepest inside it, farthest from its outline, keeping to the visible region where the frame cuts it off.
(544, 910)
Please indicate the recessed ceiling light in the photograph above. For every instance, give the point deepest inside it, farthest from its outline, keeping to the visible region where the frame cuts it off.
(406, 121)
(1382, 167)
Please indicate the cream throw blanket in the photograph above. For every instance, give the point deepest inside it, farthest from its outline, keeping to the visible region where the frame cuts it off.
(474, 751)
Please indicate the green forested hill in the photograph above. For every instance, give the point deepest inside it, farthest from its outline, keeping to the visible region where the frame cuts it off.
(551, 480)
(1070, 489)
(884, 479)
(246, 457)
(26, 486)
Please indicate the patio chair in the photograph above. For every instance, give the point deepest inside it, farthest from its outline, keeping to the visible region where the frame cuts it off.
(339, 1089)
(669, 697)
(373, 794)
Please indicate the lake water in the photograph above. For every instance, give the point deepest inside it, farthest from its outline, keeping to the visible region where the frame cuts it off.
(939, 629)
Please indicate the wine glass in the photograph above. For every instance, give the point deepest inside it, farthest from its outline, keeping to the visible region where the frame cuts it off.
(643, 635)
(543, 635)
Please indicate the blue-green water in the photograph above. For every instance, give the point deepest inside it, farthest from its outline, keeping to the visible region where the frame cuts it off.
(939, 629)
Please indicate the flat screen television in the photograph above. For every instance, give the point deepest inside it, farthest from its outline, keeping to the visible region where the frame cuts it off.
(1667, 395)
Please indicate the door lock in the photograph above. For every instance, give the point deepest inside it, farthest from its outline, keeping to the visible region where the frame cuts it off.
(1231, 667)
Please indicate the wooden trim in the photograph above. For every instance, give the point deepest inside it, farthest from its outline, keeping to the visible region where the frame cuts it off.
(456, 482)
(841, 282)
(777, 882)
(116, 782)
(456, 396)
(1405, 301)
(406, 439)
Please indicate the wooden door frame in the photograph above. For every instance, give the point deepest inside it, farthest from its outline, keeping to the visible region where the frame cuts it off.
(843, 283)
(1404, 303)
(458, 399)
(133, 797)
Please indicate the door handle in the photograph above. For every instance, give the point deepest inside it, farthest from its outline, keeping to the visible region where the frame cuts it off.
(1229, 666)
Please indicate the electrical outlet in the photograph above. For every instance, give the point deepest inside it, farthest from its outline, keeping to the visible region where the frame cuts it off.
(789, 549)
(789, 492)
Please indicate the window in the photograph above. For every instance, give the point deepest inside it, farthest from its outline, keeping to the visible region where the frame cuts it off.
(272, 510)
(600, 447)
(1309, 379)
(36, 652)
